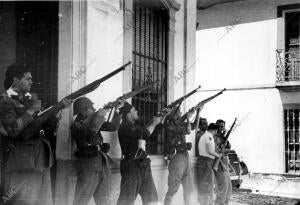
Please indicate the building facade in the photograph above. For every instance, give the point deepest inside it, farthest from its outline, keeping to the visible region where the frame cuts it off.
(252, 49)
(248, 47)
(68, 44)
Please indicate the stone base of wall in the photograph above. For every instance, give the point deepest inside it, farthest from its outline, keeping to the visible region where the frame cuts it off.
(66, 178)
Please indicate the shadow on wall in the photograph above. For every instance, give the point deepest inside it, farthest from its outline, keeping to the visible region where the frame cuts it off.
(242, 12)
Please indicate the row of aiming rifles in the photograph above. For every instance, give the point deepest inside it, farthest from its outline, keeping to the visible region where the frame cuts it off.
(41, 117)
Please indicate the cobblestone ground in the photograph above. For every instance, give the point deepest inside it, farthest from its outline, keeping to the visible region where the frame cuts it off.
(240, 197)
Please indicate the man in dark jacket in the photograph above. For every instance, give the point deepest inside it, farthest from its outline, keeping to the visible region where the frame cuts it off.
(92, 161)
(29, 156)
(135, 165)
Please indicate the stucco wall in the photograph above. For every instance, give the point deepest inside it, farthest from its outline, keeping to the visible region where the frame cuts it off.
(236, 46)
(104, 49)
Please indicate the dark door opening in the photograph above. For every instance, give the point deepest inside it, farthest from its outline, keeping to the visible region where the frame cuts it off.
(37, 45)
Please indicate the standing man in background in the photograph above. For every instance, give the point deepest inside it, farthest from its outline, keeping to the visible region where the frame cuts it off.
(222, 175)
(205, 174)
(203, 124)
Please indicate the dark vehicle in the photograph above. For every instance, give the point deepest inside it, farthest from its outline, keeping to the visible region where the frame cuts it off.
(236, 169)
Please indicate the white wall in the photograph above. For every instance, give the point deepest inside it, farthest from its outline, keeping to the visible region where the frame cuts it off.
(104, 49)
(236, 46)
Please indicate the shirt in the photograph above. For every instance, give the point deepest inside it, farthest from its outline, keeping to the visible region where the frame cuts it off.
(13, 114)
(129, 135)
(175, 135)
(88, 142)
(197, 138)
(15, 118)
(206, 138)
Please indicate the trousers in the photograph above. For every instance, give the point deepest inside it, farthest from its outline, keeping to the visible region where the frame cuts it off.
(93, 184)
(136, 178)
(179, 173)
(224, 187)
(28, 188)
(205, 180)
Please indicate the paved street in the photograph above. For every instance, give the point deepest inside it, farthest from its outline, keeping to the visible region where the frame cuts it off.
(246, 198)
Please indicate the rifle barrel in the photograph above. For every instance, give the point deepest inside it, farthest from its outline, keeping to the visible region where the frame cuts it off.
(202, 103)
(185, 96)
(35, 125)
(178, 101)
(93, 85)
(129, 95)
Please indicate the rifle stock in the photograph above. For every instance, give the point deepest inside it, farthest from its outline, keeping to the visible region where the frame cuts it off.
(35, 125)
(177, 102)
(223, 145)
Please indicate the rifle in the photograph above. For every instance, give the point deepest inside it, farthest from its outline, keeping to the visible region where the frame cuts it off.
(223, 145)
(128, 95)
(203, 102)
(172, 106)
(41, 118)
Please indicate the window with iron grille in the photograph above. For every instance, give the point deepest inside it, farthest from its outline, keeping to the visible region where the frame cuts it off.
(288, 59)
(291, 132)
(150, 29)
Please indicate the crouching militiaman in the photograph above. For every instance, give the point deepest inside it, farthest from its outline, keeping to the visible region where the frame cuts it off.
(92, 160)
(136, 175)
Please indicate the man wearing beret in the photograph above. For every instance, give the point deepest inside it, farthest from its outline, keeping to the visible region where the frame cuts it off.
(92, 159)
(136, 175)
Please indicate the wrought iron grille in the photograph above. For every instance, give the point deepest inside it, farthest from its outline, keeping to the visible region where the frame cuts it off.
(150, 42)
(288, 65)
(288, 60)
(291, 132)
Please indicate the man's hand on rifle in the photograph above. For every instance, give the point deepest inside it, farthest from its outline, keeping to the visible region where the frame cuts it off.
(36, 106)
(190, 113)
(102, 112)
(168, 112)
(66, 103)
(200, 108)
(121, 102)
(156, 120)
